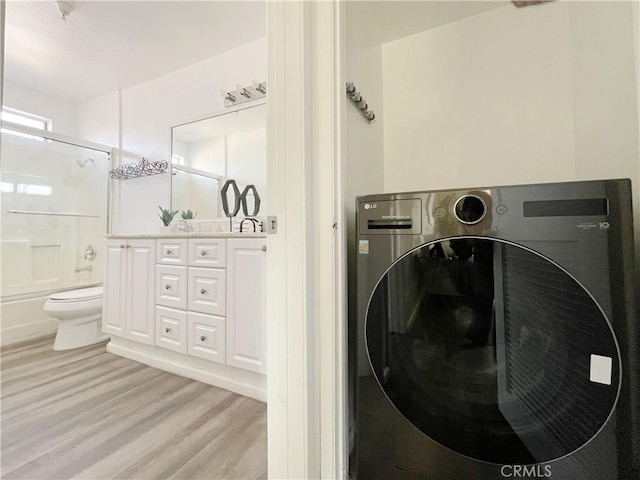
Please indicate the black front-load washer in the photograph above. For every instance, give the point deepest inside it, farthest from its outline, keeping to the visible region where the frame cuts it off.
(497, 334)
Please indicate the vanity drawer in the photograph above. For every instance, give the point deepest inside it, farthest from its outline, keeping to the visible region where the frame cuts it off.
(171, 286)
(171, 329)
(206, 337)
(170, 251)
(208, 252)
(207, 290)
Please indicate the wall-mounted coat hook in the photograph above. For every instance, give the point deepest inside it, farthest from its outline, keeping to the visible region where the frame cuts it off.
(244, 94)
(360, 103)
(261, 87)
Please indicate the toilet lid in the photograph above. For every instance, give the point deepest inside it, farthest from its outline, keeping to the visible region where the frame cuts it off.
(77, 295)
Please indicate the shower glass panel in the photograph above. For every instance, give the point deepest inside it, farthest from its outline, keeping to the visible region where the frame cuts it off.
(54, 208)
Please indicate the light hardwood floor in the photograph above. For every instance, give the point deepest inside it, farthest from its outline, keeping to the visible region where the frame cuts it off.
(88, 414)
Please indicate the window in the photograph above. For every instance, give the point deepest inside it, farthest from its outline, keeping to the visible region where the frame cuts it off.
(177, 159)
(25, 119)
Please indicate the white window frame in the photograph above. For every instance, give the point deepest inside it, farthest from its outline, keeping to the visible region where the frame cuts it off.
(25, 119)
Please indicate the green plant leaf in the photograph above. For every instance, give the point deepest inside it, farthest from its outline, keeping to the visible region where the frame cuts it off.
(167, 216)
(188, 215)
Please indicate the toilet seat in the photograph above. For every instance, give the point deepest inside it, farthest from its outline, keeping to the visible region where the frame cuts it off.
(80, 295)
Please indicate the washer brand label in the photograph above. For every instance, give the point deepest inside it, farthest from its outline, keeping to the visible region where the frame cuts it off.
(594, 225)
(587, 225)
(367, 206)
(363, 247)
(526, 471)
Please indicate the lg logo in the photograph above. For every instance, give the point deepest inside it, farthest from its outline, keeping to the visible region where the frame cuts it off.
(520, 471)
(367, 206)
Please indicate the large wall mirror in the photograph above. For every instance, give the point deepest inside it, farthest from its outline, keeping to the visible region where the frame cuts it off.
(207, 152)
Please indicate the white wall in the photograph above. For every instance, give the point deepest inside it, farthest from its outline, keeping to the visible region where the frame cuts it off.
(99, 119)
(150, 109)
(539, 94)
(605, 108)
(62, 112)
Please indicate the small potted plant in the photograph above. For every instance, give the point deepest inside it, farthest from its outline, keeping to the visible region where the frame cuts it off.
(183, 226)
(167, 216)
(188, 215)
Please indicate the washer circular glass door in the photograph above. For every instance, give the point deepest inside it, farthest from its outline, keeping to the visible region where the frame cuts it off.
(492, 350)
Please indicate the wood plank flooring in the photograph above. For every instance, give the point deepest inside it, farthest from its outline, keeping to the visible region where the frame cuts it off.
(88, 414)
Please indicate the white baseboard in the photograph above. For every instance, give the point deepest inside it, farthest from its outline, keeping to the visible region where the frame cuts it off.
(25, 320)
(28, 331)
(252, 385)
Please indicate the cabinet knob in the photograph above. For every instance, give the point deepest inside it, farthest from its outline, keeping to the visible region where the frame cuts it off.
(167, 287)
(122, 245)
(203, 338)
(169, 252)
(203, 291)
(264, 248)
(203, 253)
(167, 330)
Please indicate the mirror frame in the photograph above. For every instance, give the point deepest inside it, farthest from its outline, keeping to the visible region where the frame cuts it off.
(221, 179)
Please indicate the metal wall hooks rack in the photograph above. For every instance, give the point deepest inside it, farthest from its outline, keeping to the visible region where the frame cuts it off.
(143, 168)
(360, 103)
(244, 94)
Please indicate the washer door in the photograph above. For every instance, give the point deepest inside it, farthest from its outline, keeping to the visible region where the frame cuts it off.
(493, 351)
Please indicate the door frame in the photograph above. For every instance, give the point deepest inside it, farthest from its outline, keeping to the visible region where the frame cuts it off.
(306, 264)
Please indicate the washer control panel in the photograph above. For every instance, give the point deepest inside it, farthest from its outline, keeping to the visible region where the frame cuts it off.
(390, 217)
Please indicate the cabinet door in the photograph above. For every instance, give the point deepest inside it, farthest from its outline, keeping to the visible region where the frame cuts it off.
(207, 252)
(171, 251)
(115, 277)
(140, 291)
(207, 290)
(171, 286)
(171, 329)
(206, 336)
(246, 304)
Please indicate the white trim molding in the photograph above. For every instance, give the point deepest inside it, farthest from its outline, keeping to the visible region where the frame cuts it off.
(305, 265)
(238, 381)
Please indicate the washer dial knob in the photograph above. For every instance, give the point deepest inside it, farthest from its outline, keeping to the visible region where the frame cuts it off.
(470, 209)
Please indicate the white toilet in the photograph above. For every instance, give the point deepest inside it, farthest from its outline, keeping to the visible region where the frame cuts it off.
(79, 313)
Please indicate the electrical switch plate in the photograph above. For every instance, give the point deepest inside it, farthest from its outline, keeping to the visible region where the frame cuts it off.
(272, 225)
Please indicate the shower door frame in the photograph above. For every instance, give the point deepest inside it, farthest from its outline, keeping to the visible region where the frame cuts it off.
(66, 139)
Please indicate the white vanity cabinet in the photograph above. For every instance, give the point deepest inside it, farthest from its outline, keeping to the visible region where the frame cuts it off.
(191, 296)
(129, 289)
(246, 307)
(197, 303)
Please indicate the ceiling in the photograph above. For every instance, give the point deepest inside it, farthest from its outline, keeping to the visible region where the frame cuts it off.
(377, 22)
(103, 46)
